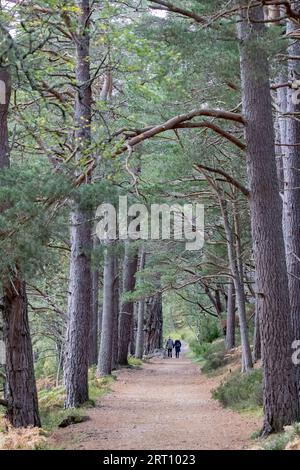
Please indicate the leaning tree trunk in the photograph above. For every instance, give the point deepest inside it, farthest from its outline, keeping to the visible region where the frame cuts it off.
(126, 314)
(230, 321)
(291, 172)
(108, 312)
(79, 302)
(281, 402)
(154, 324)
(20, 390)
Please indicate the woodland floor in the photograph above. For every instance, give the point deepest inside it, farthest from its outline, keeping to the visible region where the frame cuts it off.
(165, 404)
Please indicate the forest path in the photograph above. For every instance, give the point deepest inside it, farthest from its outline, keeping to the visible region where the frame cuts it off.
(166, 404)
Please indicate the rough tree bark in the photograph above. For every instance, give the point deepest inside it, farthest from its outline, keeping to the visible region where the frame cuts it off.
(20, 389)
(93, 336)
(154, 324)
(79, 302)
(281, 405)
(126, 314)
(257, 336)
(133, 330)
(108, 312)
(291, 172)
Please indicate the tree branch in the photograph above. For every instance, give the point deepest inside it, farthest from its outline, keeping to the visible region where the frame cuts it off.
(167, 6)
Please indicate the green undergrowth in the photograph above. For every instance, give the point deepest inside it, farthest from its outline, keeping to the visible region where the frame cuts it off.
(51, 401)
(280, 441)
(210, 356)
(134, 362)
(241, 391)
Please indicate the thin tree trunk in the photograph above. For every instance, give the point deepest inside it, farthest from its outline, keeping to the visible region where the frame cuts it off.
(116, 315)
(93, 337)
(108, 313)
(139, 348)
(79, 303)
(126, 314)
(281, 405)
(257, 337)
(238, 287)
(230, 322)
(133, 330)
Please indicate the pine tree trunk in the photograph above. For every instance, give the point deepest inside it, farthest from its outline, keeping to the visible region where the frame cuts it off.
(230, 322)
(126, 314)
(291, 171)
(132, 345)
(257, 337)
(108, 312)
(280, 130)
(116, 316)
(93, 339)
(281, 405)
(20, 390)
(79, 303)
(79, 312)
(154, 324)
(139, 347)
(238, 287)
(4, 106)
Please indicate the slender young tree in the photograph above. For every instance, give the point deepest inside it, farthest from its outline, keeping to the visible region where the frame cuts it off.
(230, 318)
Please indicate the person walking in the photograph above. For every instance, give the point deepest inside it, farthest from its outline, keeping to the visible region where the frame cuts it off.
(169, 346)
(177, 346)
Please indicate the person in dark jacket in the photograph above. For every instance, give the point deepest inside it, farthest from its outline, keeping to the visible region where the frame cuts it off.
(177, 346)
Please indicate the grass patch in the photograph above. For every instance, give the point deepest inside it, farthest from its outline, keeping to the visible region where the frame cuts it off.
(241, 392)
(51, 401)
(134, 362)
(280, 441)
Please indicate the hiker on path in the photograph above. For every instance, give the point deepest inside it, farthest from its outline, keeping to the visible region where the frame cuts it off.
(170, 346)
(177, 346)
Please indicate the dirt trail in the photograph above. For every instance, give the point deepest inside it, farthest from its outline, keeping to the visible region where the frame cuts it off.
(166, 404)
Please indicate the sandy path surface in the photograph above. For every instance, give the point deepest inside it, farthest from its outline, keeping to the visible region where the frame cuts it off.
(166, 404)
